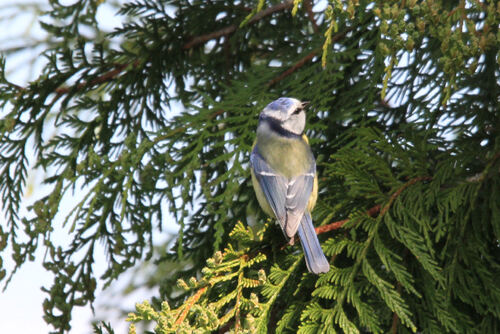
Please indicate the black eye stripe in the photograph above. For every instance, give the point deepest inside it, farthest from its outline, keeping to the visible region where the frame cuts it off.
(297, 111)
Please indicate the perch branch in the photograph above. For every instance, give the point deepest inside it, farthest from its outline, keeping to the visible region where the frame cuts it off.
(372, 212)
(338, 224)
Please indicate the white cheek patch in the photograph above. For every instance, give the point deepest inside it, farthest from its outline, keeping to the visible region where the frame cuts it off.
(275, 114)
(290, 128)
(295, 124)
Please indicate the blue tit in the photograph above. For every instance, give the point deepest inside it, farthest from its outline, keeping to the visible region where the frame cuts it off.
(284, 176)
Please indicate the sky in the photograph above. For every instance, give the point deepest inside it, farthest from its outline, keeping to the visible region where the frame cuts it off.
(21, 303)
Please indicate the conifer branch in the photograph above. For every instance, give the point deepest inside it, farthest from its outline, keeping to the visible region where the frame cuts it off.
(395, 317)
(295, 67)
(338, 224)
(195, 41)
(479, 177)
(310, 15)
(192, 300)
(372, 212)
(395, 320)
(108, 76)
(144, 165)
(400, 190)
(305, 59)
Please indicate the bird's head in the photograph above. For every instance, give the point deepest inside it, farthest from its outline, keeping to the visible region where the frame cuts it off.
(286, 114)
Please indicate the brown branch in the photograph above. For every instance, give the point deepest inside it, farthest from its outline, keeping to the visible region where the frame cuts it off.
(292, 69)
(225, 328)
(372, 212)
(195, 41)
(461, 6)
(17, 87)
(205, 38)
(310, 15)
(108, 76)
(192, 300)
(479, 177)
(305, 59)
(395, 318)
(400, 190)
(338, 224)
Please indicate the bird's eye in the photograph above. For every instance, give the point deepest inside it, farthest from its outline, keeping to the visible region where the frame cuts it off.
(297, 111)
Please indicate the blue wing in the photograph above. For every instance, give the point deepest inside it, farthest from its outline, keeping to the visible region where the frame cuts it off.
(287, 198)
(297, 196)
(273, 185)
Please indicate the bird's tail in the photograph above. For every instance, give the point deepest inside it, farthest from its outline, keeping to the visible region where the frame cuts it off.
(315, 259)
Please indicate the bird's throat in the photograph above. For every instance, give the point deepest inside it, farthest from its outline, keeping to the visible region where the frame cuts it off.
(289, 156)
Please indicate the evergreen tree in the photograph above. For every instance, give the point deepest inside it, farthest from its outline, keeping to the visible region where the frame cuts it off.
(404, 123)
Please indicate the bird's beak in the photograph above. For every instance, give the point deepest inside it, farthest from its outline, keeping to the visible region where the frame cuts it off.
(305, 104)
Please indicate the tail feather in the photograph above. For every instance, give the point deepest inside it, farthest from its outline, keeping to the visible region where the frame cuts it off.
(315, 259)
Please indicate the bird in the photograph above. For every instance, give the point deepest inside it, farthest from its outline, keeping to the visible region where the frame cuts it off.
(283, 173)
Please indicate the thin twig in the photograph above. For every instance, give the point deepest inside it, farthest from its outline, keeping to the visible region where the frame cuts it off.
(108, 76)
(338, 224)
(372, 212)
(305, 59)
(205, 38)
(292, 69)
(479, 177)
(192, 300)
(400, 190)
(310, 15)
(237, 314)
(195, 41)
(395, 317)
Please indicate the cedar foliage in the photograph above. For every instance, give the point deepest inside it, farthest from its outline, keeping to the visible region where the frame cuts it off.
(404, 124)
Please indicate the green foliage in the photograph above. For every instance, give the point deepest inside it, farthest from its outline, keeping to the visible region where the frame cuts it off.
(404, 123)
(228, 276)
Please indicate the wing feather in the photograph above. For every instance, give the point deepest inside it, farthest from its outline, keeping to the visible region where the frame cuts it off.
(298, 193)
(273, 185)
(288, 198)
